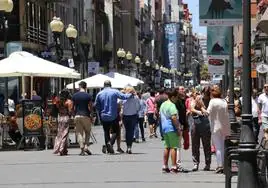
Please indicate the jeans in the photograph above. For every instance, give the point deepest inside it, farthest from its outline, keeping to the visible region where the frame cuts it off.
(139, 127)
(108, 127)
(130, 122)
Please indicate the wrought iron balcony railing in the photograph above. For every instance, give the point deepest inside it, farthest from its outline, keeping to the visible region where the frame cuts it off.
(36, 35)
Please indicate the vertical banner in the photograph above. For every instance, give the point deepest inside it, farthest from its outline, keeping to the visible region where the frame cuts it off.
(171, 45)
(219, 44)
(220, 12)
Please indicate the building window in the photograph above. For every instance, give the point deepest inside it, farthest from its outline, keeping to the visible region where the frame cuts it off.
(36, 26)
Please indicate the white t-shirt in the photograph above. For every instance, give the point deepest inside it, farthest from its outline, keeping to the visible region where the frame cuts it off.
(11, 105)
(263, 100)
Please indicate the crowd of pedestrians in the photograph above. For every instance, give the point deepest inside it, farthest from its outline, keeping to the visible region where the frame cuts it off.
(179, 116)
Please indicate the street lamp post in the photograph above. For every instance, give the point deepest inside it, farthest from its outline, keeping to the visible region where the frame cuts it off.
(129, 58)
(6, 6)
(138, 62)
(121, 54)
(148, 65)
(85, 44)
(230, 65)
(173, 73)
(247, 174)
(71, 33)
(57, 26)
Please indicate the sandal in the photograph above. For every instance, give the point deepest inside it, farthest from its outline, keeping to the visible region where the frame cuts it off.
(165, 170)
(174, 170)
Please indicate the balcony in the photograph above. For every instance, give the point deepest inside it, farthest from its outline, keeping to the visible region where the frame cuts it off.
(36, 35)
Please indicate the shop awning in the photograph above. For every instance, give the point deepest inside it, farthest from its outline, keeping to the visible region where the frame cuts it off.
(97, 81)
(126, 80)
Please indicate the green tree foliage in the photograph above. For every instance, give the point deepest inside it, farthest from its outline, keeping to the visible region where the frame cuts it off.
(204, 72)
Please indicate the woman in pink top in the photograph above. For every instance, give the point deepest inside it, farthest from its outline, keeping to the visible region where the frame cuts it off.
(151, 114)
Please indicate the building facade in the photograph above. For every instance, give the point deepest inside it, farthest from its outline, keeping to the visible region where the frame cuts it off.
(29, 26)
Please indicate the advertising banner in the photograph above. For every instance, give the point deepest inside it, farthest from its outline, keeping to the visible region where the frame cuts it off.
(219, 44)
(217, 66)
(171, 48)
(32, 118)
(220, 12)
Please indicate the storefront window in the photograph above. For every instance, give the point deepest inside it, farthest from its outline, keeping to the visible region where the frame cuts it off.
(13, 88)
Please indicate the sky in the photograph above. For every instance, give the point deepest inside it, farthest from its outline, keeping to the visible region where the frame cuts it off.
(193, 5)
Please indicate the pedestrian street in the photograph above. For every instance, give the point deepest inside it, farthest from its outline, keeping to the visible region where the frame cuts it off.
(42, 169)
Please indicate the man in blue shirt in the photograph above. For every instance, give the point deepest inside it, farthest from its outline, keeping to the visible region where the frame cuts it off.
(106, 105)
(82, 102)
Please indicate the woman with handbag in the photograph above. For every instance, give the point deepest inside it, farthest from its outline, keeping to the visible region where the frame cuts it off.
(200, 129)
(219, 123)
(65, 107)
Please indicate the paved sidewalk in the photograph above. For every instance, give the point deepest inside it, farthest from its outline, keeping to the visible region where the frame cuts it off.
(41, 169)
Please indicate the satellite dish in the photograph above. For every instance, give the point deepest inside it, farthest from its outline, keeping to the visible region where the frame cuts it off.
(262, 68)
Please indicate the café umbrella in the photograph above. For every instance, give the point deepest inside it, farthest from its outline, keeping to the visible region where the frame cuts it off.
(21, 64)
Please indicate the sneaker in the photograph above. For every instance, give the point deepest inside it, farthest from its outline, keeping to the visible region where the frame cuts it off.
(143, 140)
(165, 170)
(82, 153)
(182, 170)
(195, 168)
(87, 152)
(104, 149)
(155, 135)
(129, 151)
(207, 168)
(219, 170)
(120, 150)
